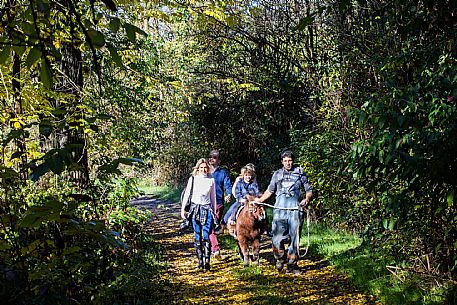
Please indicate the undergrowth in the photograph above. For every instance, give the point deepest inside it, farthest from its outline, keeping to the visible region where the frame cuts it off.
(374, 272)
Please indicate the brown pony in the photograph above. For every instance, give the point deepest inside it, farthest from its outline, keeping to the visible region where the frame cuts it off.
(250, 224)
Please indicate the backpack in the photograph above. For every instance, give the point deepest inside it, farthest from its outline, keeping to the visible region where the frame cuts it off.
(189, 200)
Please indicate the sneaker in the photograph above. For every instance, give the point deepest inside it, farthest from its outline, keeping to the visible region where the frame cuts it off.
(217, 255)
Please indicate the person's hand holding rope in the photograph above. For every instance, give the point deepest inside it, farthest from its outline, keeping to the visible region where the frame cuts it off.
(304, 202)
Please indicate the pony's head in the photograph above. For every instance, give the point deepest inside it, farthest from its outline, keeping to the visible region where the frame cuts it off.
(257, 210)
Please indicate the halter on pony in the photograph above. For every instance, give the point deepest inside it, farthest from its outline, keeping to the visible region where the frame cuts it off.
(252, 208)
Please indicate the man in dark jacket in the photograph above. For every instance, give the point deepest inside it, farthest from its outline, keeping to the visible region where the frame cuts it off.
(223, 185)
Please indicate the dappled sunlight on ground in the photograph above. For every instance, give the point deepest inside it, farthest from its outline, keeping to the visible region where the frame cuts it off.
(229, 282)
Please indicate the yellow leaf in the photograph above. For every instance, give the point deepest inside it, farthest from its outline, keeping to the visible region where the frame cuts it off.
(17, 125)
(56, 44)
(216, 14)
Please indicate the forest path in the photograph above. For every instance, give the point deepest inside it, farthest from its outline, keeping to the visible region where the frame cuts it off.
(229, 282)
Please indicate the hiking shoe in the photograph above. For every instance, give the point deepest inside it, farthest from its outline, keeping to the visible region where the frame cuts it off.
(293, 270)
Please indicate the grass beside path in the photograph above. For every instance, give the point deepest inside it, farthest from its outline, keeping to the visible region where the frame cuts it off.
(368, 270)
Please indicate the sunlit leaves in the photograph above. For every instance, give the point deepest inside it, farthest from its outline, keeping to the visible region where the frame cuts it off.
(216, 13)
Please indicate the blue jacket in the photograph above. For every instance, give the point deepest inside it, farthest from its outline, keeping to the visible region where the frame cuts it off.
(222, 179)
(242, 189)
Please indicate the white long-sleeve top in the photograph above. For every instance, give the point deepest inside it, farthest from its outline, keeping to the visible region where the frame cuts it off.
(204, 191)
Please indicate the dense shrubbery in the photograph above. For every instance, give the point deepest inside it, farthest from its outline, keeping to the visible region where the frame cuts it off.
(382, 162)
(61, 246)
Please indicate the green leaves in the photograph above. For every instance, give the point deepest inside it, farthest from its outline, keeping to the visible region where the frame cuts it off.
(388, 224)
(57, 160)
(5, 54)
(131, 31)
(115, 56)
(112, 167)
(450, 199)
(303, 23)
(96, 38)
(45, 74)
(308, 20)
(36, 215)
(33, 56)
(114, 24)
(46, 128)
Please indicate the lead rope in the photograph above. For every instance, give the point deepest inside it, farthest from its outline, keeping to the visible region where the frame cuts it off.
(307, 246)
(278, 208)
(298, 235)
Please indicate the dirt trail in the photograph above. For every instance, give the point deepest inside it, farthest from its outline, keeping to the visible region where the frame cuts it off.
(229, 282)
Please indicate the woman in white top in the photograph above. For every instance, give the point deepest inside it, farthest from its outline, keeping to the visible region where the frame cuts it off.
(203, 209)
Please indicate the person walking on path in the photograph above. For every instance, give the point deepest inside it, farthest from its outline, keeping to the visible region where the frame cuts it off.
(287, 183)
(223, 186)
(201, 187)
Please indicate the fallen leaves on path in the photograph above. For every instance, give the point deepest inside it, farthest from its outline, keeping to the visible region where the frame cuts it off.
(229, 282)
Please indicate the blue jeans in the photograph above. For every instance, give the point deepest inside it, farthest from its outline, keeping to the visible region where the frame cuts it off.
(286, 227)
(233, 208)
(202, 232)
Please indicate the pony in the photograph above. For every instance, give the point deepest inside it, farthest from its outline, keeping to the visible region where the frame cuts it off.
(251, 223)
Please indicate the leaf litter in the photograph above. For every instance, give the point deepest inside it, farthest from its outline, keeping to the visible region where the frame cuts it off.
(229, 282)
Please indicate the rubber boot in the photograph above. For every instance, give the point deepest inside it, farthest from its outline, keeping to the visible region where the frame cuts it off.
(207, 250)
(199, 251)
